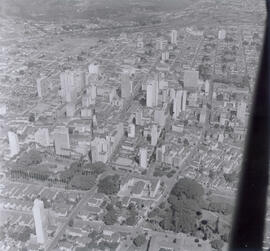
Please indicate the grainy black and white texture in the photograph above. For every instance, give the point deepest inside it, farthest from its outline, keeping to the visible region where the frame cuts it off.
(122, 123)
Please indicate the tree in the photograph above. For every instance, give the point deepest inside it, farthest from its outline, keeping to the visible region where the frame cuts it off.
(186, 142)
(110, 218)
(32, 117)
(131, 220)
(71, 223)
(109, 185)
(139, 240)
(190, 188)
(217, 244)
(83, 182)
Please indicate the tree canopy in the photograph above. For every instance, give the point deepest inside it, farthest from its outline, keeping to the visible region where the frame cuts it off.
(109, 185)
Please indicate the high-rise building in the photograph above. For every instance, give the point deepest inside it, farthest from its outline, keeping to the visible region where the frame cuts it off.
(179, 102)
(126, 85)
(3, 109)
(40, 220)
(42, 87)
(221, 34)
(154, 135)
(14, 146)
(70, 109)
(131, 130)
(159, 116)
(165, 56)
(138, 118)
(174, 36)
(68, 86)
(143, 157)
(61, 141)
(191, 78)
(203, 115)
(93, 68)
(184, 100)
(152, 94)
(161, 44)
(42, 137)
(241, 111)
(91, 94)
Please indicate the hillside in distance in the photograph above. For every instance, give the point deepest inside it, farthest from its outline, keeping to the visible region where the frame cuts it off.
(85, 9)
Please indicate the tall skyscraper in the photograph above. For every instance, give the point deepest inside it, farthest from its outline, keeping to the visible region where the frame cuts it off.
(14, 146)
(174, 36)
(3, 109)
(152, 94)
(191, 78)
(184, 100)
(42, 137)
(154, 135)
(40, 220)
(93, 68)
(221, 34)
(70, 109)
(131, 130)
(179, 102)
(42, 87)
(68, 86)
(61, 141)
(126, 85)
(143, 157)
(241, 111)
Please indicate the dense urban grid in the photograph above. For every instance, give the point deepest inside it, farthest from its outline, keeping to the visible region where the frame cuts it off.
(125, 133)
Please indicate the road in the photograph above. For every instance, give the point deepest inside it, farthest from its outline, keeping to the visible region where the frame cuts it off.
(62, 228)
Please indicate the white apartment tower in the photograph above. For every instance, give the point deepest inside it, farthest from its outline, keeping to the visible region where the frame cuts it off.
(143, 158)
(179, 102)
(154, 135)
(152, 94)
(174, 36)
(40, 220)
(126, 85)
(241, 111)
(13, 143)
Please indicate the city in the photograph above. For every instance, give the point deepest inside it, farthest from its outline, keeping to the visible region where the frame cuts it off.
(125, 134)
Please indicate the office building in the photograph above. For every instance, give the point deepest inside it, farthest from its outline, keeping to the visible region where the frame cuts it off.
(241, 111)
(143, 157)
(126, 85)
(131, 130)
(221, 34)
(68, 86)
(174, 37)
(40, 220)
(179, 102)
(61, 141)
(42, 137)
(3, 109)
(161, 44)
(165, 56)
(152, 94)
(191, 78)
(203, 113)
(14, 146)
(93, 68)
(154, 135)
(42, 87)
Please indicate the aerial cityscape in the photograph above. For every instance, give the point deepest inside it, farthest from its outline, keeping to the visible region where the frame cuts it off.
(122, 123)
